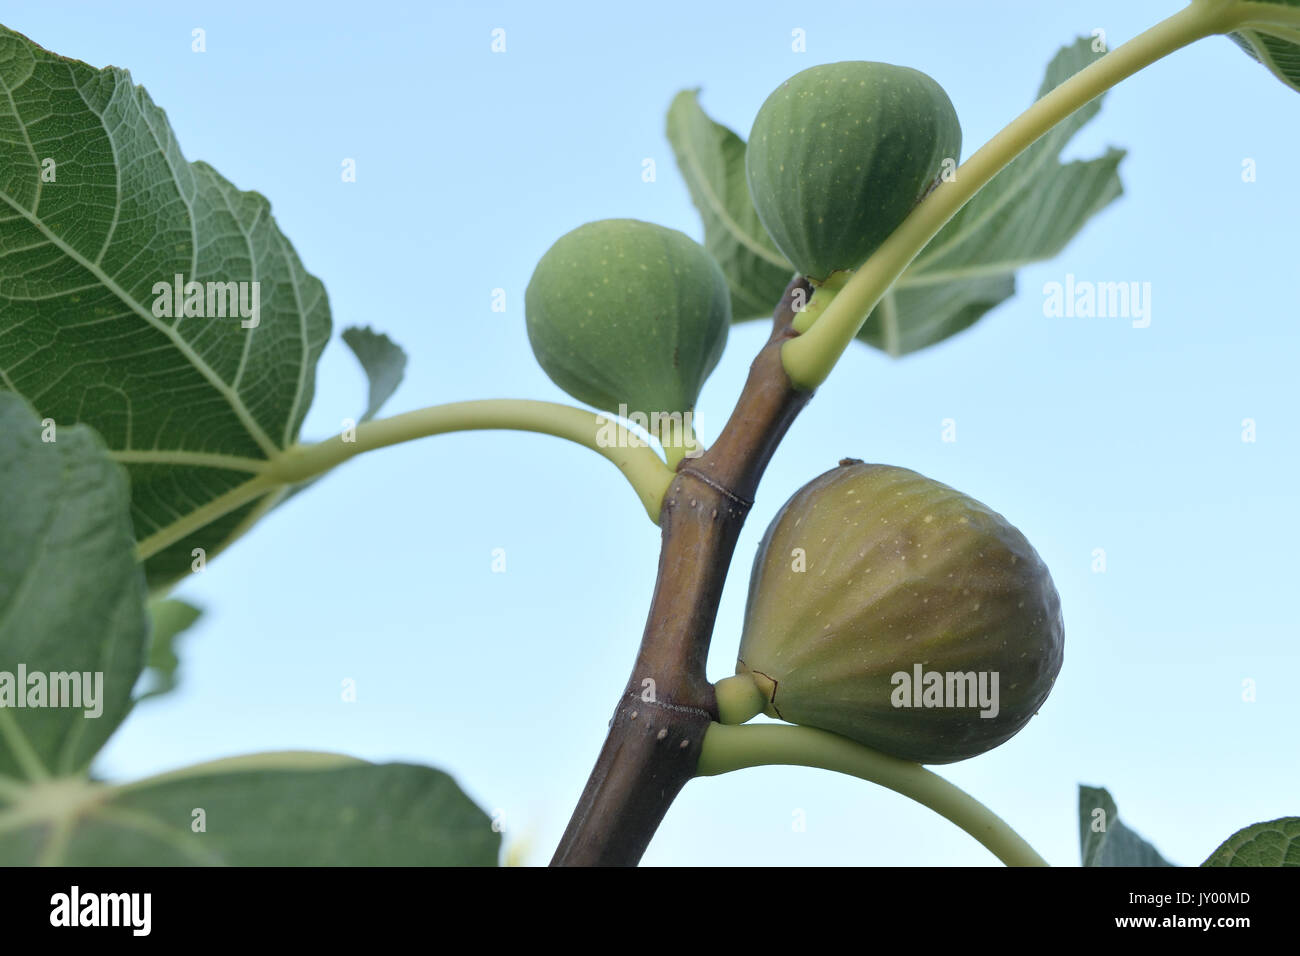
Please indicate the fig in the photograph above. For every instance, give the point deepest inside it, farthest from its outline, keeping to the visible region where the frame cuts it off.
(840, 153)
(896, 611)
(624, 312)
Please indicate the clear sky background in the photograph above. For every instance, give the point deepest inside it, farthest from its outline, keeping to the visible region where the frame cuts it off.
(1085, 433)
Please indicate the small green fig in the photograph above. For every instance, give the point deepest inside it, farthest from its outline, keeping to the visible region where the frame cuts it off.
(894, 610)
(624, 312)
(840, 153)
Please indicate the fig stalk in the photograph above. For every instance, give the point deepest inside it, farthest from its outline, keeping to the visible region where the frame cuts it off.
(644, 470)
(823, 294)
(739, 699)
(736, 748)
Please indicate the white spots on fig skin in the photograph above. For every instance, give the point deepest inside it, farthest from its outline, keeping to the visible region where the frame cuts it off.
(684, 744)
(662, 735)
(632, 716)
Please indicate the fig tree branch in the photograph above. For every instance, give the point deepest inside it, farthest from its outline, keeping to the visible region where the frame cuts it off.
(657, 731)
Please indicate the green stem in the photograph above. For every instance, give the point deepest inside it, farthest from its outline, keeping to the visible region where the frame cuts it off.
(823, 294)
(677, 442)
(808, 359)
(735, 748)
(29, 762)
(739, 699)
(218, 507)
(1257, 13)
(644, 469)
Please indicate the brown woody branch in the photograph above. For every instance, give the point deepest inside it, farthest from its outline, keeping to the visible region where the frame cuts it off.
(658, 727)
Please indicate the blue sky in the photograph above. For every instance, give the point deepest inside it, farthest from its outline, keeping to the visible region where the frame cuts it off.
(1085, 432)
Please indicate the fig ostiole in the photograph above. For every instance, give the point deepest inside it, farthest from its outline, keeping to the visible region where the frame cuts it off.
(838, 156)
(630, 317)
(898, 612)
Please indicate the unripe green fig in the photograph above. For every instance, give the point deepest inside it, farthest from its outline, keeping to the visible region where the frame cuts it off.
(838, 156)
(624, 312)
(873, 579)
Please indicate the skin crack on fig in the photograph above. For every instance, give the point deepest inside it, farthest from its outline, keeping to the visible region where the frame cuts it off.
(768, 692)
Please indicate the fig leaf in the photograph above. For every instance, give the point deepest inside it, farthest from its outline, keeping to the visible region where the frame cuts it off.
(1275, 843)
(1274, 40)
(1103, 840)
(1028, 213)
(146, 296)
(712, 161)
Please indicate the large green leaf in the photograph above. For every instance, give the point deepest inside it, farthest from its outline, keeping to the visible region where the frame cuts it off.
(1103, 840)
(1275, 843)
(1271, 35)
(98, 210)
(71, 596)
(275, 809)
(712, 161)
(1029, 212)
(72, 600)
